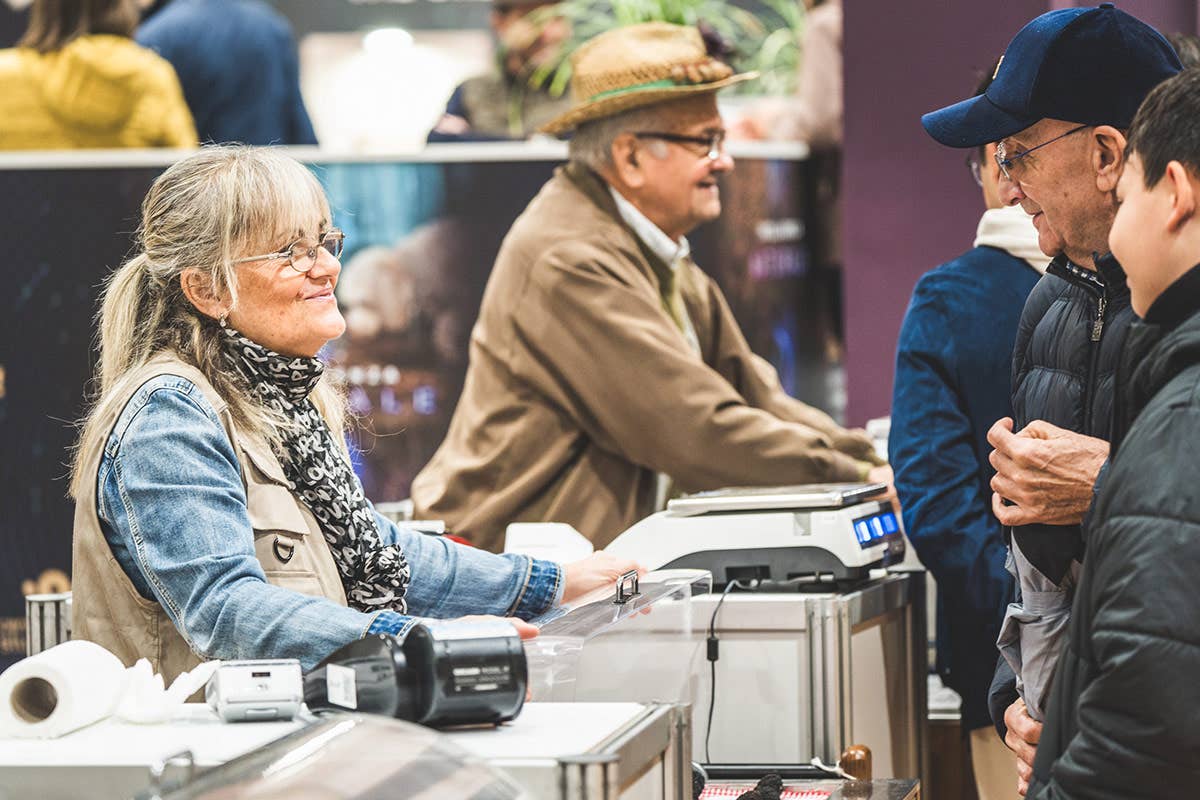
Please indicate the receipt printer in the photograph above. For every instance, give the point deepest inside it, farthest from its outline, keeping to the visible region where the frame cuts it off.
(256, 690)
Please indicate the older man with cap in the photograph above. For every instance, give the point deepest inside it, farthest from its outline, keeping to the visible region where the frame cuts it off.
(605, 364)
(1063, 96)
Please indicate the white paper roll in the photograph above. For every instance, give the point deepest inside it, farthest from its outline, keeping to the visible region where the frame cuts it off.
(59, 690)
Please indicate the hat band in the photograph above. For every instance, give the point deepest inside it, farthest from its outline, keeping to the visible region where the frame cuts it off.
(666, 83)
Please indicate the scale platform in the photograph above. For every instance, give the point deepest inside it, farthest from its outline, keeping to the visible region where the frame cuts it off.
(765, 498)
(814, 534)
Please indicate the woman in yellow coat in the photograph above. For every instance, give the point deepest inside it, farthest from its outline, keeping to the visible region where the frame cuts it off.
(77, 80)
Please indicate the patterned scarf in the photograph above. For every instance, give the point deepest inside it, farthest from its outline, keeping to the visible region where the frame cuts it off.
(374, 576)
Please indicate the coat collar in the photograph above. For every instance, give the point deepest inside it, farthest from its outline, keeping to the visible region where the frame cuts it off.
(1107, 279)
(596, 190)
(1177, 302)
(1153, 354)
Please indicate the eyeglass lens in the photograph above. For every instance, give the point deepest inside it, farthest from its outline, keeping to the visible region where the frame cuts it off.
(1002, 161)
(304, 257)
(715, 144)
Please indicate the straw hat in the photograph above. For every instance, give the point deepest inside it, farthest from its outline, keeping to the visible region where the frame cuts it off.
(639, 65)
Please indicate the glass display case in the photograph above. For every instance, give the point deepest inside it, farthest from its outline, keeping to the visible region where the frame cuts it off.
(648, 648)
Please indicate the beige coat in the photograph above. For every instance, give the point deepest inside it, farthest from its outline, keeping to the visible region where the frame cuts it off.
(581, 387)
(108, 610)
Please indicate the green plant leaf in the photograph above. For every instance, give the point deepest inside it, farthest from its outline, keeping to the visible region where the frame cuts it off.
(766, 39)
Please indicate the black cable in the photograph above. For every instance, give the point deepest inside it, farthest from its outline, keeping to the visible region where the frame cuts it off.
(714, 654)
(714, 648)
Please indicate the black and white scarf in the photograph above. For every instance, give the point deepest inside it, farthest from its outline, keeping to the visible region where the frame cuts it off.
(374, 576)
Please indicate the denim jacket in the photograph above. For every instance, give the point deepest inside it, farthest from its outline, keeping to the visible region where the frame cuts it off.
(172, 506)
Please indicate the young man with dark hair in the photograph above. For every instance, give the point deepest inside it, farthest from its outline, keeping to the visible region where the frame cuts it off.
(952, 366)
(1122, 718)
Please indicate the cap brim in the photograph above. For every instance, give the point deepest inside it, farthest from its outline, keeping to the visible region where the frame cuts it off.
(973, 122)
(608, 106)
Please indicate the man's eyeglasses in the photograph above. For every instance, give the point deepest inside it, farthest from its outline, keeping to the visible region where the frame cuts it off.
(302, 257)
(1007, 165)
(713, 143)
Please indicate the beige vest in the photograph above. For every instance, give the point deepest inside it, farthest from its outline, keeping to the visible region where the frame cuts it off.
(108, 610)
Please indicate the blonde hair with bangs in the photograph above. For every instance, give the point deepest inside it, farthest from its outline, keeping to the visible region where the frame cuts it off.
(205, 211)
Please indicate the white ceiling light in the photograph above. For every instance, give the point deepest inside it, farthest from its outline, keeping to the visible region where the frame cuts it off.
(387, 42)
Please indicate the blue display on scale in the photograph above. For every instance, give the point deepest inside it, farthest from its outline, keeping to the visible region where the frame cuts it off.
(874, 529)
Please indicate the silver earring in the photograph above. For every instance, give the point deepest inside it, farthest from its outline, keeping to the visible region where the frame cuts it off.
(221, 321)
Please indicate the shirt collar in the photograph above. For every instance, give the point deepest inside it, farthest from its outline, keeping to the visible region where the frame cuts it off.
(662, 245)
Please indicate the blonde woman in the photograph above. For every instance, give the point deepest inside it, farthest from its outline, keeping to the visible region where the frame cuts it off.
(217, 514)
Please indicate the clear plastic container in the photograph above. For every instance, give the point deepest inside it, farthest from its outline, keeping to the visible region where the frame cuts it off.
(646, 650)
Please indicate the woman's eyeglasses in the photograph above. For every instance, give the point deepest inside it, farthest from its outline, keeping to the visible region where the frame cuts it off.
(302, 257)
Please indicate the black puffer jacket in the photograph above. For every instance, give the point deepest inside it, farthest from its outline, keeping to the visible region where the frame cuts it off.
(1123, 719)
(1064, 362)
(1063, 366)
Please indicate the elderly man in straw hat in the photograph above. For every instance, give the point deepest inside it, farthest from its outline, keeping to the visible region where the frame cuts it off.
(605, 365)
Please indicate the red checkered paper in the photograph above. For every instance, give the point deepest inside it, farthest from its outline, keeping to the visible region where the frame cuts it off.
(713, 791)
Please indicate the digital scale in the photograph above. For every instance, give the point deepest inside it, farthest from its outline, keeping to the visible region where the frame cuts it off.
(829, 532)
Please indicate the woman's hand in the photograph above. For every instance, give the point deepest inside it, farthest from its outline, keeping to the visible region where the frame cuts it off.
(598, 569)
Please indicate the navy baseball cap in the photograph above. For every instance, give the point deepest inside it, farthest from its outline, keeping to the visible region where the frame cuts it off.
(1092, 66)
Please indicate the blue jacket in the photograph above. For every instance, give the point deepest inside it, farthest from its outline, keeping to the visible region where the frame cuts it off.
(172, 505)
(952, 383)
(237, 62)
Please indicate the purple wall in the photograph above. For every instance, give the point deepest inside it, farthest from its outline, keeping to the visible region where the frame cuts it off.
(1166, 15)
(909, 203)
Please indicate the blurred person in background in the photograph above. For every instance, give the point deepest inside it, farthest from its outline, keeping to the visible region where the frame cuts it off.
(952, 383)
(1187, 47)
(502, 104)
(77, 80)
(12, 21)
(606, 369)
(238, 65)
(812, 115)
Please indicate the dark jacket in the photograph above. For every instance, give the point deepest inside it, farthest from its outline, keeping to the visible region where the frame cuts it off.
(1063, 366)
(238, 65)
(952, 384)
(1122, 721)
(1064, 363)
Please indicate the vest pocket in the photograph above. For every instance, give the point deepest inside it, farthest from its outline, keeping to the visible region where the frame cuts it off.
(281, 538)
(287, 540)
(287, 561)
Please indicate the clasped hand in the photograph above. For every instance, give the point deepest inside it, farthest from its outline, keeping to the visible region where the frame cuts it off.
(1022, 738)
(1046, 472)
